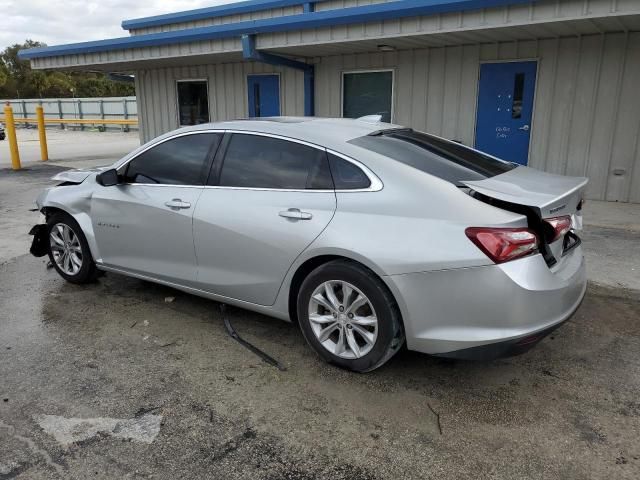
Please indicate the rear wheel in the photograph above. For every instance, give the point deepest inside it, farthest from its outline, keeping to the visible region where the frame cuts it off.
(68, 249)
(349, 317)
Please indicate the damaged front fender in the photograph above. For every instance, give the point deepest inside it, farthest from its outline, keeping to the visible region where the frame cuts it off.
(74, 200)
(77, 176)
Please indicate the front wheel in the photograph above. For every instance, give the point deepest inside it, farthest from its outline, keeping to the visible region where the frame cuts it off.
(348, 316)
(68, 249)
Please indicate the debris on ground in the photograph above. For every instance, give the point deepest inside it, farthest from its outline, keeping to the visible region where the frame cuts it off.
(66, 431)
(231, 331)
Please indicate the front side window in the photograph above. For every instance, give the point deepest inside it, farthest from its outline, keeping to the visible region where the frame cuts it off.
(367, 93)
(179, 161)
(450, 161)
(254, 161)
(193, 102)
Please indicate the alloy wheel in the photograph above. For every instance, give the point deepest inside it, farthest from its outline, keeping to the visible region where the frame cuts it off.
(343, 319)
(66, 249)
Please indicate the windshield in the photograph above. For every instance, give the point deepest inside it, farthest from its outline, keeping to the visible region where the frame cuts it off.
(450, 161)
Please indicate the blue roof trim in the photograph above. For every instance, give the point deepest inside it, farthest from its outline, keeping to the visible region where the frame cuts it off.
(326, 18)
(209, 12)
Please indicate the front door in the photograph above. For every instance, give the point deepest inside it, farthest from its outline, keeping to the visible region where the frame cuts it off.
(505, 109)
(144, 224)
(264, 95)
(270, 200)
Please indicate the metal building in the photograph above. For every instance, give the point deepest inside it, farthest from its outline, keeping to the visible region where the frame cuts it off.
(552, 84)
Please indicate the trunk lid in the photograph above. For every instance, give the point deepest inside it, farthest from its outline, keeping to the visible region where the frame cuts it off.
(540, 196)
(550, 195)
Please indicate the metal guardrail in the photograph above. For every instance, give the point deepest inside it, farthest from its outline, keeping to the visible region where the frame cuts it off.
(77, 110)
(94, 121)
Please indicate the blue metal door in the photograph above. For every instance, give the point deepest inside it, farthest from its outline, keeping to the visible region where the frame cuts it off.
(264, 95)
(505, 109)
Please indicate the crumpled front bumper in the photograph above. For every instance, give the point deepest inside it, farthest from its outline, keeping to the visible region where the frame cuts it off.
(39, 245)
(449, 311)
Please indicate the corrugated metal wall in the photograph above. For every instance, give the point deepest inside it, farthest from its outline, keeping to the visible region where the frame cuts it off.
(587, 107)
(157, 97)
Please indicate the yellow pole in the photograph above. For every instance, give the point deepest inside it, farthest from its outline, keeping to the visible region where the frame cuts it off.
(11, 135)
(44, 151)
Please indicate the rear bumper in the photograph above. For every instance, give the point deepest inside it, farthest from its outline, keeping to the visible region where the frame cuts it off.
(508, 348)
(491, 311)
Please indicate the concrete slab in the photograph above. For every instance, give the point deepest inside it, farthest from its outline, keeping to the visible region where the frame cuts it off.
(612, 243)
(625, 216)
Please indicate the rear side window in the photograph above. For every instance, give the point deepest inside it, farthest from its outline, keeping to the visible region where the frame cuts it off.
(179, 161)
(346, 175)
(255, 161)
(447, 160)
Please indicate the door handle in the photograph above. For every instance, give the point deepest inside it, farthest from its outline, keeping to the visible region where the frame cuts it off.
(295, 214)
(177, 204)
(524, 127)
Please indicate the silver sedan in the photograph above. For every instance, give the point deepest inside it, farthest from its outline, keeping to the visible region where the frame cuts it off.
(368, 235)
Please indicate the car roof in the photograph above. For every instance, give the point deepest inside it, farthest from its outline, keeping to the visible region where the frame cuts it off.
(326, 132)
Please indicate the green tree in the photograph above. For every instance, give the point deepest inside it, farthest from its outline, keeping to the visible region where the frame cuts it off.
(4, 75)
(39, 81)
(17, 80)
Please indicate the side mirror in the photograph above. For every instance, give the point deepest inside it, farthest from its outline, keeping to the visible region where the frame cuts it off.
(108, 178)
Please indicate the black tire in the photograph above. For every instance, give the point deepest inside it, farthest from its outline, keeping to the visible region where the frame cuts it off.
(88, 271)
(390, 336)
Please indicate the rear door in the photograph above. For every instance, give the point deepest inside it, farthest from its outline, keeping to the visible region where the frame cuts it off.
(268, 199)
(144, 224)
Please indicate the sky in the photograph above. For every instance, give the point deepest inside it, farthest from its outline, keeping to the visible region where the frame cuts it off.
(68, 21)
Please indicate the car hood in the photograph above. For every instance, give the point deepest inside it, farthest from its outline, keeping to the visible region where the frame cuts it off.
(550, 194)
(77, 175)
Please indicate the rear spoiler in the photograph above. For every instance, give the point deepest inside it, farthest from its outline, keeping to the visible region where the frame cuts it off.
(549, 194)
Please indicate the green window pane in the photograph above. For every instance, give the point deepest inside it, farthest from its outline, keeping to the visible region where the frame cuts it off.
(367, 93)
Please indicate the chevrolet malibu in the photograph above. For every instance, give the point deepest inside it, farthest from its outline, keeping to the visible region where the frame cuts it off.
(368, 235)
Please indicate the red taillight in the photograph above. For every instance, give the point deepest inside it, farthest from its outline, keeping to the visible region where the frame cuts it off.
(561, 226)
(503, 244)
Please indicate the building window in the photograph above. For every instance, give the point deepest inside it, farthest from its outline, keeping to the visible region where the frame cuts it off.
(367, 93)
(193, 102)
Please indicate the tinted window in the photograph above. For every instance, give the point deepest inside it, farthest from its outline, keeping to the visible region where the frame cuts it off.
(265, 162)
(367, 93)
(346, 175)
(447, 160)
(180, 161)
(193, 102)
